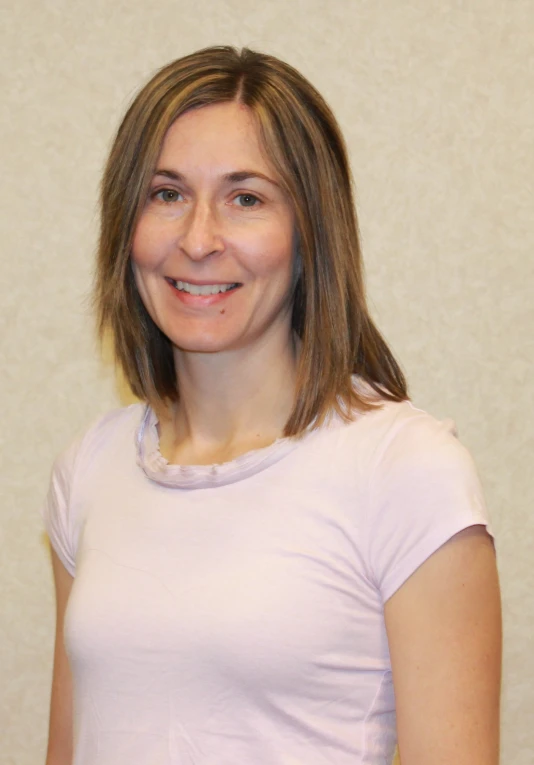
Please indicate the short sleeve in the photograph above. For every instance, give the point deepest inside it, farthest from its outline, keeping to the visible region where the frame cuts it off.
(56, 508)
(424, 489)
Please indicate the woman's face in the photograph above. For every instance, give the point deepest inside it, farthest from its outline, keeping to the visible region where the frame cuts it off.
(213, 249)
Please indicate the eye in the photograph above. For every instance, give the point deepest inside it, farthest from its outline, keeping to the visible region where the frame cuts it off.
(166, 195)
(246, 200)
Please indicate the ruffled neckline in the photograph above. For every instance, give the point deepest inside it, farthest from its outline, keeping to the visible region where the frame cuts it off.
(158, 469)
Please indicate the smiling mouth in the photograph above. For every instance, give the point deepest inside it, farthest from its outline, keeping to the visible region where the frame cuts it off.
(202, 289)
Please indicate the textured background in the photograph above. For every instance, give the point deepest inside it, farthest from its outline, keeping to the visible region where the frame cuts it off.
(436, 98)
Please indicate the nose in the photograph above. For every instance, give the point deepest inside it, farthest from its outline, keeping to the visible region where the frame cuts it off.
(200, 235)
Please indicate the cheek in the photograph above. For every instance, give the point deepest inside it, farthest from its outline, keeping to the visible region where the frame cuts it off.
(273, 254)
(147, 246)
(145, 258)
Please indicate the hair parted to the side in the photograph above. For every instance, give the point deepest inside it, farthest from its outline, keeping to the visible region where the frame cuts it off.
(303, 141)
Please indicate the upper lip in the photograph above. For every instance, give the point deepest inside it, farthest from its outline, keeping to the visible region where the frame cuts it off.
(201, 282)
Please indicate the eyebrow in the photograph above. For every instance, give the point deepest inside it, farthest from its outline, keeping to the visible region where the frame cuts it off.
(234, 177)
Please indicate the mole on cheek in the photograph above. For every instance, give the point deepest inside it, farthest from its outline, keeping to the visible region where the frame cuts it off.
(223, 310)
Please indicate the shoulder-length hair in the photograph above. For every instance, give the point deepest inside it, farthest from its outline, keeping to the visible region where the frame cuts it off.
(304, 143)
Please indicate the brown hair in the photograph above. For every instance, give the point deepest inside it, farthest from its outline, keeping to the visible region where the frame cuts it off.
(304, 143)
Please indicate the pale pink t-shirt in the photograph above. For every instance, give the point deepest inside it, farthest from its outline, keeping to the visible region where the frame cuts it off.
(233, 614)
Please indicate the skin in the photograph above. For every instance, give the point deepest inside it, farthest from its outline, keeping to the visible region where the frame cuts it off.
(216, 214)
(60, 744)
(234, 356)
(445, 639)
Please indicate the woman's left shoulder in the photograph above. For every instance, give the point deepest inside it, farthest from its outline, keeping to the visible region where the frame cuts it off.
(400, 430)
(423, 488)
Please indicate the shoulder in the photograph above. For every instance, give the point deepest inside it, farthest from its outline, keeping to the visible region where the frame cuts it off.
(422, 489)
(98, 438)
(424, 454)
(410, 452)
(398, 436)
(122, 419)
(76, 466)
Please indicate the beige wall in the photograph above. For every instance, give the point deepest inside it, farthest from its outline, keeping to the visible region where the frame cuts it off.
(436, 100)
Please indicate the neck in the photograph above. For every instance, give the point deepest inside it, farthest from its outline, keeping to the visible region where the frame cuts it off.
(230, 402)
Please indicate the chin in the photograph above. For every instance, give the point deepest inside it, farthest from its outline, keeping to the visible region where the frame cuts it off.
(203, 344)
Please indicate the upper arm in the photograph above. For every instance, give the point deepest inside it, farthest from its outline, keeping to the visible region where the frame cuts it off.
(60, 730)
(444, 633)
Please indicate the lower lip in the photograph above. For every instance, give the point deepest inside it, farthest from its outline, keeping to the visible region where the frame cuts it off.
(201, 301)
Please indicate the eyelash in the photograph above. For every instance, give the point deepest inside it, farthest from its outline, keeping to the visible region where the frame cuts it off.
(157, 194)
(252, 196)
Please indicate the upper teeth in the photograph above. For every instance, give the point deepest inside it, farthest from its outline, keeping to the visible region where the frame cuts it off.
(203, 289)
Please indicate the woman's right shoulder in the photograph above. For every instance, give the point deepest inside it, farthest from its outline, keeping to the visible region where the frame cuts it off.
(99, 437)
(77, 467)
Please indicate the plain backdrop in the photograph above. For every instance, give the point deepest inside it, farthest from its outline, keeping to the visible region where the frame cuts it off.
(436, 99)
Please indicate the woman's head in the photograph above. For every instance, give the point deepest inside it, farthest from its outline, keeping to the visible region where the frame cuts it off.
(213, 248)
(305, 149)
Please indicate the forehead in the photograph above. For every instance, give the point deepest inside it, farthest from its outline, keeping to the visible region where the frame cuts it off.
(224, 135)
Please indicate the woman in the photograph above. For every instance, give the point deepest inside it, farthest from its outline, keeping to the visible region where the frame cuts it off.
(277, 558)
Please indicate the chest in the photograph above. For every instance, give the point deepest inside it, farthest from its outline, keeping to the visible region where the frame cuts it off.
(263, 583)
